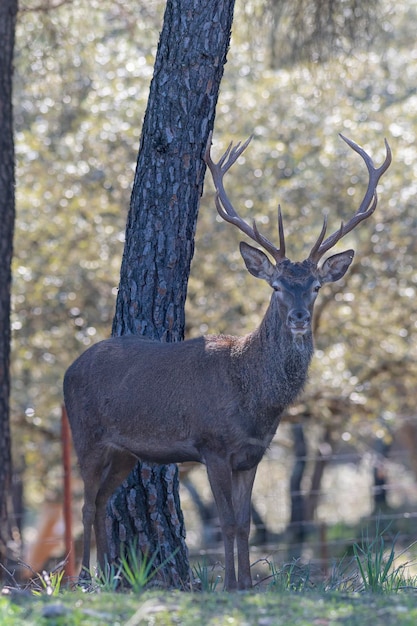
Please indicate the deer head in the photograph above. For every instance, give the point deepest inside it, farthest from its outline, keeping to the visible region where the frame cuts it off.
(296, 284)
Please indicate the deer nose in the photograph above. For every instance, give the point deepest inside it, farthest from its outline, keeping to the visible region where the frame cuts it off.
(298, 319)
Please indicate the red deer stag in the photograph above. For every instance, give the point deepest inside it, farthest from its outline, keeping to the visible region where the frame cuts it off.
(216, 399)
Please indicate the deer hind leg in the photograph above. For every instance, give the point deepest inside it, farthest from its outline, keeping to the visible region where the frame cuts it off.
(91, 470)
(101, 475)
(117, 469)
(220, 477)
(242, 484)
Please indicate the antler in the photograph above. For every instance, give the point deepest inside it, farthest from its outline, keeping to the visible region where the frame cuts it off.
(225, 207)
(367, 206)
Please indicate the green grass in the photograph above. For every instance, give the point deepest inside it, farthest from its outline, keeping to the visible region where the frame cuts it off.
(205, 577)
(212, 609)
(134, 571)
(375, 563)
(367, 589)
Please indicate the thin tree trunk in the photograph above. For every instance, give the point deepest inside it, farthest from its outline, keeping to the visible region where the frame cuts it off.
(324, 453)
(159, 247)
(8, 11)
(382, 449)
(296, 530)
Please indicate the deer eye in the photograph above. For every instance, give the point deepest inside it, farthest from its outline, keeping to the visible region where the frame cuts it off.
(277, 288)
(316, 288)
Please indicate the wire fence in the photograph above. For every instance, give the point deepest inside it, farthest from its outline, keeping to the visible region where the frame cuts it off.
(350, 502)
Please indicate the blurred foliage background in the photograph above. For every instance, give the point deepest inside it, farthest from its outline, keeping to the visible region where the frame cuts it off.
(81, 83)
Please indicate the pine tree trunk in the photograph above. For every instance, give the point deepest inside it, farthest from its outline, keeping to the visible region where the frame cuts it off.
(159, 247)
(8, 11)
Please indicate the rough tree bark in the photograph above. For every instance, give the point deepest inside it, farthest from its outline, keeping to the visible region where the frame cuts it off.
(159, 247)
(8, 11)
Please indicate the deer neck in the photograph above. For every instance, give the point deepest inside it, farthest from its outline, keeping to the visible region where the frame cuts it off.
(274, 363)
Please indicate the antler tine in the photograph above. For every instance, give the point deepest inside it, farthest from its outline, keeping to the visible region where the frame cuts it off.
(281, 233)
(316, 247)
(366, 208)
(224, 206)
(374, 173)
(277, 253)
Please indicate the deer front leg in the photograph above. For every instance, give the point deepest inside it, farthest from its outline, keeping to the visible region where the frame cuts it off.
(89, 511)
(220, 477)
(242, 484)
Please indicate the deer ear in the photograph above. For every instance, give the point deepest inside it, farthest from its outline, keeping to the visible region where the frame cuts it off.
(256, 262)
(335, 266)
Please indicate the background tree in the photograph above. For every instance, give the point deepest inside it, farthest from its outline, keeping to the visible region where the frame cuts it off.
(160, 243)
(305, 31)
(8, 12)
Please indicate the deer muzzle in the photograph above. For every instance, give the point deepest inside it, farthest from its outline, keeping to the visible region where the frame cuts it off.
(299, 321)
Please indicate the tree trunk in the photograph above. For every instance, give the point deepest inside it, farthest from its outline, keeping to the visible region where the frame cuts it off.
(324, 453)
(8, 11)
(296, 529)
(382, 449)
(159, 247)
